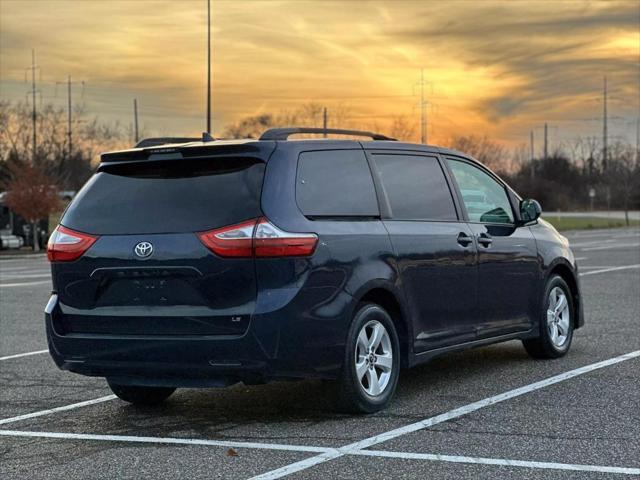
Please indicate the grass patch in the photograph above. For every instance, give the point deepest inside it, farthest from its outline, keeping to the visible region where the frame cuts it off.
(586, 223)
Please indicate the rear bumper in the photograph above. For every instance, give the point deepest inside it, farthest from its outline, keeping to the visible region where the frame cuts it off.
(281, 344)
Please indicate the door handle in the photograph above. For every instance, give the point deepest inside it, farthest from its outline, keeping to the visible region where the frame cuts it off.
(464, 239)
(485, 240)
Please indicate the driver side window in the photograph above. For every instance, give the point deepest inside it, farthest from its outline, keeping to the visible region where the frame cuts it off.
(485, 199)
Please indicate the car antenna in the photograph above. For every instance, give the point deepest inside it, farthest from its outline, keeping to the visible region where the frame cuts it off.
(206, 137)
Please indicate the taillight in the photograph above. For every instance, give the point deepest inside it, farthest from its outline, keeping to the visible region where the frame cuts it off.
(66, 245)
(270, 241)
(259, 238)
(232, 241)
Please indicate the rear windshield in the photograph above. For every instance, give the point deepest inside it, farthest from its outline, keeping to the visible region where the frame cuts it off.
(169, 196)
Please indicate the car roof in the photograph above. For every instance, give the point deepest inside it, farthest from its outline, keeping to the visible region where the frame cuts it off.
(181, 147)
(217, 147)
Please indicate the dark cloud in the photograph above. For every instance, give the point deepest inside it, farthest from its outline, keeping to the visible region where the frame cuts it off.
(515, 20)
(554, 48)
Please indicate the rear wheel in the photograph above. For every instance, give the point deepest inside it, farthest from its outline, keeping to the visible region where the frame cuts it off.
(556, 322)
(372, 361)
(139, 395)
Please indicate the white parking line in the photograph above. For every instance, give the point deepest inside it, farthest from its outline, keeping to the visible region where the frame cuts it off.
(596, 267)
(18, 355)
(325, 451)
(165, 440)
(613, 269)
(21, 275)
(4, 268)
(611, 247)
(57, 409)
(592, 242)
(429, 422)
(24, 284)
(499, 461)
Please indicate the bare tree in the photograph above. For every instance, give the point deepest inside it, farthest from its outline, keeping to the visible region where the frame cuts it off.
(487, 151)
(68, 168)
(402, 129)
(307, 115)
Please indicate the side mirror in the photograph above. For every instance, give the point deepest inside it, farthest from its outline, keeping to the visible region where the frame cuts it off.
(530, 210)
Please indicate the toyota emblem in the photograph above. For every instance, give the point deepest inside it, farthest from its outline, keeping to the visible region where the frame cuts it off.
(143, 249)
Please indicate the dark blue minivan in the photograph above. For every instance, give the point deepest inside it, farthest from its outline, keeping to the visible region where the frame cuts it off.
(207, 263)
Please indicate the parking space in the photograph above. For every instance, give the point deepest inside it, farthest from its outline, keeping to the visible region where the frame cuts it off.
(465, 415)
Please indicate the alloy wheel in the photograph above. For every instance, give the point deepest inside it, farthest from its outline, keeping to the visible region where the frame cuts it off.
(374, 358)
(558, 317)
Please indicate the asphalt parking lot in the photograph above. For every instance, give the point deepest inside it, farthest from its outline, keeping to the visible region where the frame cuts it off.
(486, 413)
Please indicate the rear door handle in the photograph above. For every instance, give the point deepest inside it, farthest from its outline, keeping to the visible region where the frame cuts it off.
(485, 240)
(464, 239)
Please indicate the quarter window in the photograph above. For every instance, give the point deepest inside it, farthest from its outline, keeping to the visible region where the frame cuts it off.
(415, 187)
(335, 183)
(485, 199)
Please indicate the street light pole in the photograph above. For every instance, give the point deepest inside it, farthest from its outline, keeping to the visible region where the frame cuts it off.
(209, 66)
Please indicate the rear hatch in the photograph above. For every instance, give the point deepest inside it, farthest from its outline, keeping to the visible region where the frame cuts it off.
(148, 272)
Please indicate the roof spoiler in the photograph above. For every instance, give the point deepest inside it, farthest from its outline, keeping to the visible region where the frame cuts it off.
(283, 133)
(156, 141)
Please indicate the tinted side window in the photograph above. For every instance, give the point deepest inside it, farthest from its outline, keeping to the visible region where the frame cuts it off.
(416, 187)
(485, 199)
(335, 183)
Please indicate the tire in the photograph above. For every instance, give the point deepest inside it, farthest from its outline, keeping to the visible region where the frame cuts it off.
(380, 368)
(139, 395)
(554, 319)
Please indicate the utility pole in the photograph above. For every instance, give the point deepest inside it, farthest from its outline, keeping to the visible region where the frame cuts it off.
(34, 117)
(638, 142)
(324, 121)
(423, 110)
(546, 151)
(69, 114)
(533, 167)
(135, 118)
(209, 66)
(604, 126)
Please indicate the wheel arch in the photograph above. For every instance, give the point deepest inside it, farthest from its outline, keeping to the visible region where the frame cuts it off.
(389, 298)
(567, 273)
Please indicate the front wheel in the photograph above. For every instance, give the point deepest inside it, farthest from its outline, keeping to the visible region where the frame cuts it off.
(556, 322)
(372, 361)
(139, 395)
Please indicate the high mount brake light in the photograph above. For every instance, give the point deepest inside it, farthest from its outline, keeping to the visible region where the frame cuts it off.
(259, 238)
(66, 245)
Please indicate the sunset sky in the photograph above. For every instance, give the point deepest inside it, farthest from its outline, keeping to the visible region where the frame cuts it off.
(495, 68)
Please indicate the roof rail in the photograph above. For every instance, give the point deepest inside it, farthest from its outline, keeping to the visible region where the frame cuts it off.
(283, 133)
